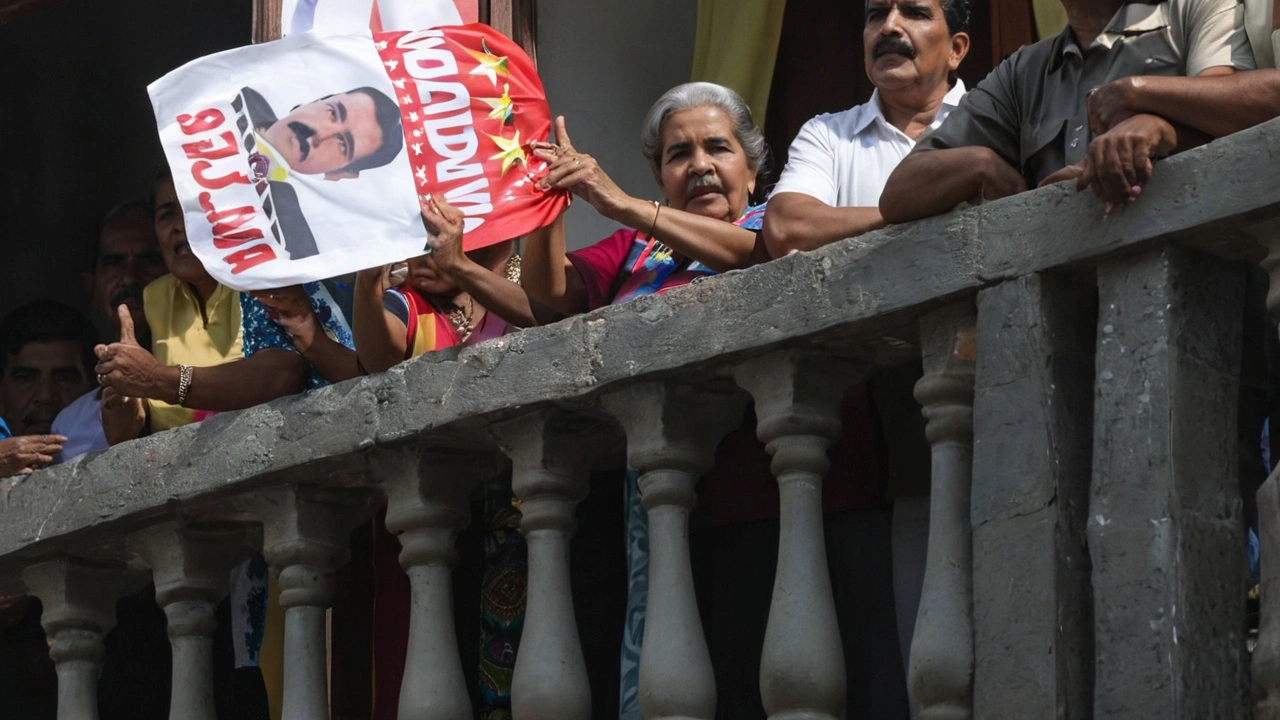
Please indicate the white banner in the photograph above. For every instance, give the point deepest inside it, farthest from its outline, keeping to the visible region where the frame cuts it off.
(341, 17)
(289, 160)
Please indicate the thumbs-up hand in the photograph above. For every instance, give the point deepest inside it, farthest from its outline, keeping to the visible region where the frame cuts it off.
(126, 325)
(130, 369)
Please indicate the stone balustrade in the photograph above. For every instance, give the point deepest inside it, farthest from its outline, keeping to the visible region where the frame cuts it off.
(1085, 556)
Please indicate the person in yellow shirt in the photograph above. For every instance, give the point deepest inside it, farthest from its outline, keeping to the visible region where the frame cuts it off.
(196, 366)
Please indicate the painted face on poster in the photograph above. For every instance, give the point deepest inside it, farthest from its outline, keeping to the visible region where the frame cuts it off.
(273, 147)
(305, 158)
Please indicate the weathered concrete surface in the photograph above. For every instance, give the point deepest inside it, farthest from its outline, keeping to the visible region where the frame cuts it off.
(1033, 440)
(798, 397)
(672, 433)
(843, 289)
(1266, 656)
(940, 672)
(551, 455)
(1165, 531)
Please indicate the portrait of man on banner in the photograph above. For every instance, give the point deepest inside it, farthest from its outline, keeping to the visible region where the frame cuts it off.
(305, 158)
(333, 137)
(289, 161)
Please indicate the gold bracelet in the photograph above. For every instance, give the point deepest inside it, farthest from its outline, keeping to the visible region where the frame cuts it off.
(657, 209)
(184, 383)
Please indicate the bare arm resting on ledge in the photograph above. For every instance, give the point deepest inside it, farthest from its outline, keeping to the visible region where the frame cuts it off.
(797, 222)
(930, 182)
(1213, 102)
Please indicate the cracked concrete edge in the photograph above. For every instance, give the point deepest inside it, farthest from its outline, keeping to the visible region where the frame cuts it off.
(1229, 186)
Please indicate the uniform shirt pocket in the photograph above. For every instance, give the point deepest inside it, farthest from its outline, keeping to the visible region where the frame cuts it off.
(1042, 150)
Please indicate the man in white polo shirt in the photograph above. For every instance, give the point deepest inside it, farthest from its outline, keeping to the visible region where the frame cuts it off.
(830, 190)
(838, 164)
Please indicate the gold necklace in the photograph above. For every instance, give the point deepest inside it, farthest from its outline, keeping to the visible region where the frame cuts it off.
(461, 319)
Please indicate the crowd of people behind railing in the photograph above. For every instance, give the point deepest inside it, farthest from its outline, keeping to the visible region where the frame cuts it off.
(1122, 86)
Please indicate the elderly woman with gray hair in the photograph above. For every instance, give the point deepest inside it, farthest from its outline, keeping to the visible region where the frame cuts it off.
(705, 152)
(706, 155)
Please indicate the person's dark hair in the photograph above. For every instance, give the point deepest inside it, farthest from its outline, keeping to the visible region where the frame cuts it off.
(124, 209)
(46, 321)
(388, 114)
(164, 173)
(957, 13)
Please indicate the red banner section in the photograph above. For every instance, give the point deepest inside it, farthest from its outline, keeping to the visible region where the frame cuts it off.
(471, 104)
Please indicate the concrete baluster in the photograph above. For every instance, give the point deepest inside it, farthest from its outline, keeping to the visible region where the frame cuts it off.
(798, 397)
(551, 455)
(79, 602)
(305, 539)
(428, 492)
(191, 565)
(672, 433)
(1165, 528)
(940, 672)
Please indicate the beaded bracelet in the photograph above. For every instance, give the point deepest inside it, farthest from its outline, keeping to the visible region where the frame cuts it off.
(184, 382)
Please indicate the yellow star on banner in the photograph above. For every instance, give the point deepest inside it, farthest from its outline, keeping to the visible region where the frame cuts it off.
(502, 107)
(512, 153)
(490, 65)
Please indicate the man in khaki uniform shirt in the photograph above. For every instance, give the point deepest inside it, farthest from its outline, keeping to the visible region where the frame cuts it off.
(1215, 106)
(1029, 121)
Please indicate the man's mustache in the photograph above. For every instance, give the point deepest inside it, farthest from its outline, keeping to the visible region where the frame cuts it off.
(40, 416)
(893, 44)
(700, 181)
(129, 292)
(304, 133)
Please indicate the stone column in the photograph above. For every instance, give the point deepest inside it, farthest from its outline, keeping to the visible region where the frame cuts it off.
(940, 674)
(1165, 530)
(1033, 444)
(428, 503)
(79, 602)
(1266, 654)
(672, 433)
(190, 566)
(305, 535)
(551, 454)
(798, 396)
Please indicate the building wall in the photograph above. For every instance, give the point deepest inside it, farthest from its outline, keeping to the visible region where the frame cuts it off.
(603, 65)
(79, 133)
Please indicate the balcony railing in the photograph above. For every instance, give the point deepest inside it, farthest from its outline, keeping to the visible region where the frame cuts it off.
(1086, 551)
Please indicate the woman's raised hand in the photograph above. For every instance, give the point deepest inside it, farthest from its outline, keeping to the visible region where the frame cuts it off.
(444, 225)
(290, 308)
(382, 277)
(580, 174)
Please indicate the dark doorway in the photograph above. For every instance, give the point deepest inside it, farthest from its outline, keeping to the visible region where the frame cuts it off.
(79, 133)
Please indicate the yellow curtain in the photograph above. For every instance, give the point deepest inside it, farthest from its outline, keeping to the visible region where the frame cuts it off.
(737, 44)
(1051, 17)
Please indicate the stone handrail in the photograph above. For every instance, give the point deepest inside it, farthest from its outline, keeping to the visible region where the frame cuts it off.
(308, 461)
